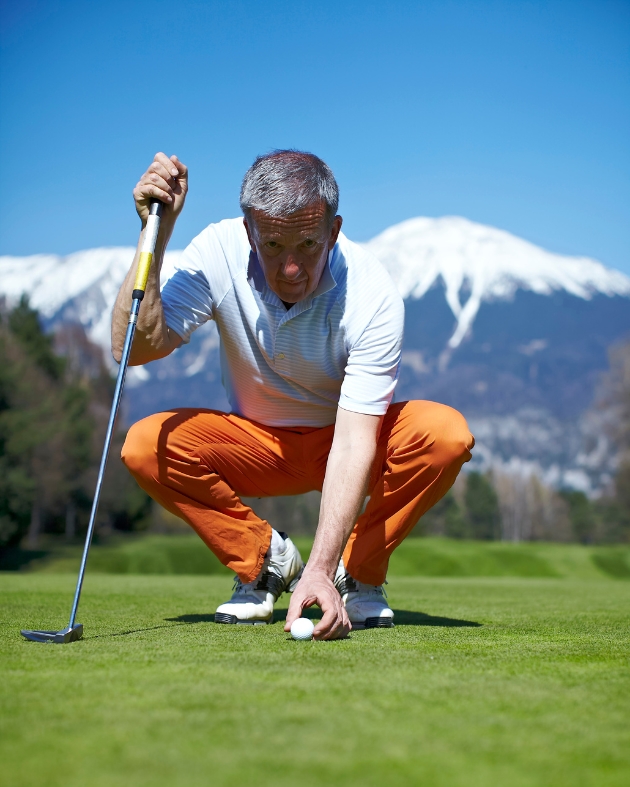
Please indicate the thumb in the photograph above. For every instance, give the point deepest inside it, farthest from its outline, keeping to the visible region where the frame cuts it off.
(294, 612)
(292, 615)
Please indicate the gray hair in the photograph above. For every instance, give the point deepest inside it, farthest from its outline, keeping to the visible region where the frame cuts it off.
(283, 182)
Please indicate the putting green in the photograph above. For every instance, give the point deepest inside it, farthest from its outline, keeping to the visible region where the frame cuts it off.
(484, 681)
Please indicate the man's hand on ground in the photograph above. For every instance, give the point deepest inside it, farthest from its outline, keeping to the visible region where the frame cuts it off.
(316, 587)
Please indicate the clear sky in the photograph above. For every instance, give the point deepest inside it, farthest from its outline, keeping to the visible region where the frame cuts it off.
(514, 114)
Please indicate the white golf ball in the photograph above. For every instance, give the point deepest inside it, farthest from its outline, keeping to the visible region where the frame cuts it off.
(302, 628)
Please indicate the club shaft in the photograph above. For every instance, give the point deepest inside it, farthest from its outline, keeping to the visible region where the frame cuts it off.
(146, 255)
(120, 382)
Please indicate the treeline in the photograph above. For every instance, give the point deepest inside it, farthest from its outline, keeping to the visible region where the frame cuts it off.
(491, 506)
(498, 506)
(55, 397)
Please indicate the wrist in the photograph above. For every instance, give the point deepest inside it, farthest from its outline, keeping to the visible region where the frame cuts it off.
(319, 570)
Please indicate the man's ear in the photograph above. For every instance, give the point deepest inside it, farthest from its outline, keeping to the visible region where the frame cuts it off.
(250, 236)
(334, 231)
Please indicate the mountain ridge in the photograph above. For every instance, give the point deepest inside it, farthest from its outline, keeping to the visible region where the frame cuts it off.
(481, 262)
(490, 263)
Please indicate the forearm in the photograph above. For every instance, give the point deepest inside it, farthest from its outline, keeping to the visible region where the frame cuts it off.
(153, 339)
(345, 486)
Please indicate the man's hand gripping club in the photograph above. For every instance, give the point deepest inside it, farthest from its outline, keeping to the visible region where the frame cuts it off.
(345, 486)
(166, 179)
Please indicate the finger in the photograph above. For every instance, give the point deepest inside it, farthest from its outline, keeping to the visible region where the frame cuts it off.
(335, 624)
(293, 613)
(340, 629)
(150, 191)
(158, 168)
(153, 179)
(183, 169)
(328, 624)
(169, 166)
(296, 607)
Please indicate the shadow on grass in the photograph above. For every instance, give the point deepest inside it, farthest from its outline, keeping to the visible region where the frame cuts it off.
(16, 559)
(125, 633)
(403, 617)
(192, 619)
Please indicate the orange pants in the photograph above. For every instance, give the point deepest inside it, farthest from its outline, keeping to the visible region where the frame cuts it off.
(197, 464)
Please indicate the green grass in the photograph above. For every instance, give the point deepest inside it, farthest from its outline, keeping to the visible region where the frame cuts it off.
(484, 681)
(431, 557)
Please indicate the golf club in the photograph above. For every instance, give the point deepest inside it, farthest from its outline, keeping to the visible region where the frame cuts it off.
(74, 631)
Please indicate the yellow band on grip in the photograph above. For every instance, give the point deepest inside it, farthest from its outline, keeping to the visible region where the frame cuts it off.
(144, 265)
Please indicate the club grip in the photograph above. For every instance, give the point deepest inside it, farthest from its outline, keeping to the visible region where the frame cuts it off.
(147, 249)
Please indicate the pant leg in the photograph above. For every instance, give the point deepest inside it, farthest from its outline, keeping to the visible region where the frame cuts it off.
(422, 447)
(197, 464)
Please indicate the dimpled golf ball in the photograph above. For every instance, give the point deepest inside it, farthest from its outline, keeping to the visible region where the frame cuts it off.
(302, 628)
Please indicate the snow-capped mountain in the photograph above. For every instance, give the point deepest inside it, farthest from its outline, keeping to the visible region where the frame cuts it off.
(477, 263)
(513, 335)
(82, 286)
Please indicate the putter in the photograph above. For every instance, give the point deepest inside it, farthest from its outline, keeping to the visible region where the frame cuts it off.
(74, 631)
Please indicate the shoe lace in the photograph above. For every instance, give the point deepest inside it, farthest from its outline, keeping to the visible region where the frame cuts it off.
(349, 585)
(266, 580)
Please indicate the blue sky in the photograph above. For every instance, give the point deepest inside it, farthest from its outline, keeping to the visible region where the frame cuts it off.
(514, 114)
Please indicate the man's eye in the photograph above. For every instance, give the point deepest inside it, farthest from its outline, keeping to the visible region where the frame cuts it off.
(271, 244)
(309, 243)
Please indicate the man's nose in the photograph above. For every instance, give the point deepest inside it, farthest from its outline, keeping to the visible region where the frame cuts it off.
(291, 268)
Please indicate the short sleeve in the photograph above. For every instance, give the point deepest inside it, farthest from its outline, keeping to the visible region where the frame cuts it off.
(374, 358)
(186, 296)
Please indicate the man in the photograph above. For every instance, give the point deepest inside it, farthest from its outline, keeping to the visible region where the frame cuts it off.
(311, 333)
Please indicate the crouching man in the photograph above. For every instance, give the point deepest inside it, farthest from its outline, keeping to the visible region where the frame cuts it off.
(311, 331)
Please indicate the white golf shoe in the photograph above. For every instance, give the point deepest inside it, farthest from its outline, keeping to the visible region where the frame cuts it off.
(252, 603)
(365, 604)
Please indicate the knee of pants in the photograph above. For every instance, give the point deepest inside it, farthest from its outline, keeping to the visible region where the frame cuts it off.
(447, 431)
(140, 447)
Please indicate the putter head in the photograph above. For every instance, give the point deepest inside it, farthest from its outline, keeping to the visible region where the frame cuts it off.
(69, 634)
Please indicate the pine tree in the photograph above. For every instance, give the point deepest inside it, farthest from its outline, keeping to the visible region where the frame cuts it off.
(482, 507)
(53, 415)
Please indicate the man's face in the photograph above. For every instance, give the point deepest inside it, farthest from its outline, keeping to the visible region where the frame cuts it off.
(293, 251)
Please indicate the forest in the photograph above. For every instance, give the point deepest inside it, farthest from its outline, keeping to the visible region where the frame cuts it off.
(55, 397)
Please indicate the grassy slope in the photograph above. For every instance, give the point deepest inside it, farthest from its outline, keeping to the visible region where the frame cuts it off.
(497, 681)
(415, 557)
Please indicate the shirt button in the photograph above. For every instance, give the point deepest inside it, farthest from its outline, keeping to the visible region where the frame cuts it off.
(280, 356)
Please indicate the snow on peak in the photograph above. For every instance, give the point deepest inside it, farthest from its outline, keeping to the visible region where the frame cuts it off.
(477, 263)
(87, 280)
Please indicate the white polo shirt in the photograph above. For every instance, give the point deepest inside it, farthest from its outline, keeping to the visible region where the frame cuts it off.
(339, 346)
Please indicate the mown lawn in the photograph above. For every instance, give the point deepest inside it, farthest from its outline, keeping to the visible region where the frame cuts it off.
(432, 557)
(497, 680)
